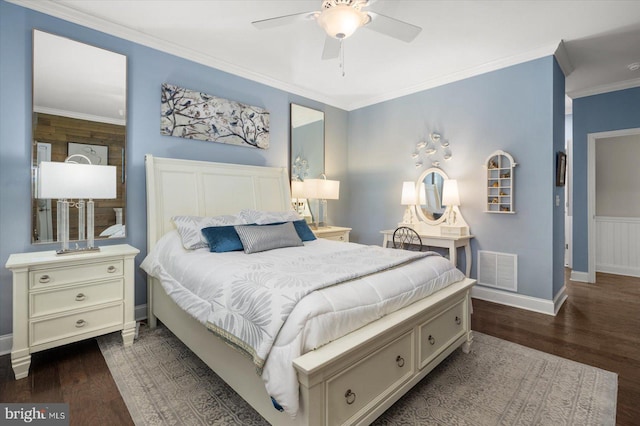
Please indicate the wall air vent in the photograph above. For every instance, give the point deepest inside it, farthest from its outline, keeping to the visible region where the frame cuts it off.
(499, 270)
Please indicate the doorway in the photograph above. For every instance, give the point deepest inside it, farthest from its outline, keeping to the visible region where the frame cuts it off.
(615, 221)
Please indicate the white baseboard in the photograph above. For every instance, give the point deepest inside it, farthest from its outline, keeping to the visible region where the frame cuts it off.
(618, 270)
(517, 300)
(6, 341)
(5, 344)
(582, 277)
(559, 300)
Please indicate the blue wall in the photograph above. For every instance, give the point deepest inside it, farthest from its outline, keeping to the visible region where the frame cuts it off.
(520, 110)
(593, 114)
(147, 70)
(516, 109)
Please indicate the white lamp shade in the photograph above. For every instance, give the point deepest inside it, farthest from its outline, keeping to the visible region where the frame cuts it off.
(72, 180)
(297, 189)
(408, 194)
(321, 189)
(450, 196)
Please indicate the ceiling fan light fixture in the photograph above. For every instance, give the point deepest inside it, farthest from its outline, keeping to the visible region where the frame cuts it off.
(341, 20)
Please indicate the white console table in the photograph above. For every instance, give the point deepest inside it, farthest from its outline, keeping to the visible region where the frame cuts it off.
(445, 241)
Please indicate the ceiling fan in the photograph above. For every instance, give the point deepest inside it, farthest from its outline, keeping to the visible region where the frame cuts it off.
(341, 18)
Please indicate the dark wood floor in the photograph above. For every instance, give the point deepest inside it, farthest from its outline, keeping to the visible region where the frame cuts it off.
(599, 325)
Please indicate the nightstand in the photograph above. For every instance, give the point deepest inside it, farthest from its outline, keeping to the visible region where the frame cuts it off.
(63, 299)
(336, 233)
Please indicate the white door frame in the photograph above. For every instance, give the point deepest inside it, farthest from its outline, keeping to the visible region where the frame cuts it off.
(591, 192)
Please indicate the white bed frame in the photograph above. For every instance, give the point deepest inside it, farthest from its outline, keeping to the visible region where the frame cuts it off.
(351, 380)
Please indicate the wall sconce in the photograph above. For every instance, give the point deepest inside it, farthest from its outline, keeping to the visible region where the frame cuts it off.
(321, 190)
(69, 180)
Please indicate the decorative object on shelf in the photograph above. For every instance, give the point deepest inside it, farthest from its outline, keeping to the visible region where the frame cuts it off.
(430, 147)
(321, 190)
(195, 115)
(72, 180)
(561, 168)
(500, 183)
(95, 154)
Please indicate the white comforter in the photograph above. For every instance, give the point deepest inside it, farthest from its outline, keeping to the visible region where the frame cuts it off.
(320, 317)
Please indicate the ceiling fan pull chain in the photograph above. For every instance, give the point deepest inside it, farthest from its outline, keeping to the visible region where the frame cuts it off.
(342, 56)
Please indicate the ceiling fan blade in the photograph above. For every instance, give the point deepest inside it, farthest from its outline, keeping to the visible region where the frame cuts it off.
(331, 48)
(392, 27)
(283, 20)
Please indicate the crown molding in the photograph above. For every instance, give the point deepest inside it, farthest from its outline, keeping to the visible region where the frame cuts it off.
(605, 88)
(562, 56)
(79, 115)
(61, 11)
(58, 10)
(461, 75)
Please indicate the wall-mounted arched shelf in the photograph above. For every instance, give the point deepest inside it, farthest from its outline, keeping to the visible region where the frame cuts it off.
(500, 183)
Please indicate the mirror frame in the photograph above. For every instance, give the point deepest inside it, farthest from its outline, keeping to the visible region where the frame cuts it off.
(113, 126)
(292, 141)
(418, 207)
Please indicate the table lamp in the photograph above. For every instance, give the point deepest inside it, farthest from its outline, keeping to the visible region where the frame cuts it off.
(70, 180)
(321, 190)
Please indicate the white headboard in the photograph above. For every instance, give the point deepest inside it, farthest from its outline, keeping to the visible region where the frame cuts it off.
(201, 188)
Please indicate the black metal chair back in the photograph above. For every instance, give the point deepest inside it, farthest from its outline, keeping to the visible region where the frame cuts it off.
(407, 239)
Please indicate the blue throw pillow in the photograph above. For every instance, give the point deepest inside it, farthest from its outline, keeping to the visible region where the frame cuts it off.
(222, 239)
(304, 232)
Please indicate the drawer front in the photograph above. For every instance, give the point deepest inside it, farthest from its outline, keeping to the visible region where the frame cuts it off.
(75, 273)
(76, 297)
(341, 236)
(47, 330)
(440, 332)
(369, 379)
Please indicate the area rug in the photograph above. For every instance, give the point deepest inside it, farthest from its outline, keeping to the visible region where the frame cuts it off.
(498, 383)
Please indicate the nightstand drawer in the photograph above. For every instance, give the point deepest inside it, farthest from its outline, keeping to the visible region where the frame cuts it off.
(344, 237)
(76, 297)
(75, 273)
(47, 330)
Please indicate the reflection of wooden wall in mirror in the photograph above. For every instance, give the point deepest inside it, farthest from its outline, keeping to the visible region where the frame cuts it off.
(79, 106)
(59, 131)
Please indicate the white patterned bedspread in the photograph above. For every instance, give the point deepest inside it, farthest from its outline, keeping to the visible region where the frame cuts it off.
(194, 280)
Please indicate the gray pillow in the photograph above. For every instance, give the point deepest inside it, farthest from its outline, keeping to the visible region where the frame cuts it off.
(267, 237)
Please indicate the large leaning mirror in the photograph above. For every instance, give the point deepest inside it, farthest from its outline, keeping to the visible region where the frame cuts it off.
(429, 188)
(307, 143)
(79, 107)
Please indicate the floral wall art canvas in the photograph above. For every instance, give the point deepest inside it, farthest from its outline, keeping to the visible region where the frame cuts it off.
(195, 115)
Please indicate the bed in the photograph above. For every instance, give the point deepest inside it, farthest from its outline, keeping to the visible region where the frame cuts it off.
(352, 379)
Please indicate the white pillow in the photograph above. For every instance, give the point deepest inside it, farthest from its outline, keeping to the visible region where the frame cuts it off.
(190, 227)
(264, 218)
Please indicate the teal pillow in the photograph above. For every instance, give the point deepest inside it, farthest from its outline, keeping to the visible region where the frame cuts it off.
(304, 232)
(222, 239)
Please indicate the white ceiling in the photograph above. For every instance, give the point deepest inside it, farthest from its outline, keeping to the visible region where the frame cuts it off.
(459, 39)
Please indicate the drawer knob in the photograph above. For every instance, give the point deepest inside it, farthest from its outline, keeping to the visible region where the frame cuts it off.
(80, 297)
(80, 323)
(111, 269)
(458, 320)
(350, 396)
(432, 340)
(400, 361)
(341, 238)
(45, 279)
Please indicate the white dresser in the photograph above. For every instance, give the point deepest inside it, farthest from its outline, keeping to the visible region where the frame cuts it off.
(336, 233)
(63, 299)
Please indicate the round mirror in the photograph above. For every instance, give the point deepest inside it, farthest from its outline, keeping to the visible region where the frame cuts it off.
(429, 192)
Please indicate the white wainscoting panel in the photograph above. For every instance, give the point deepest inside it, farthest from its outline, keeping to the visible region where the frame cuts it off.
(618, 245)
